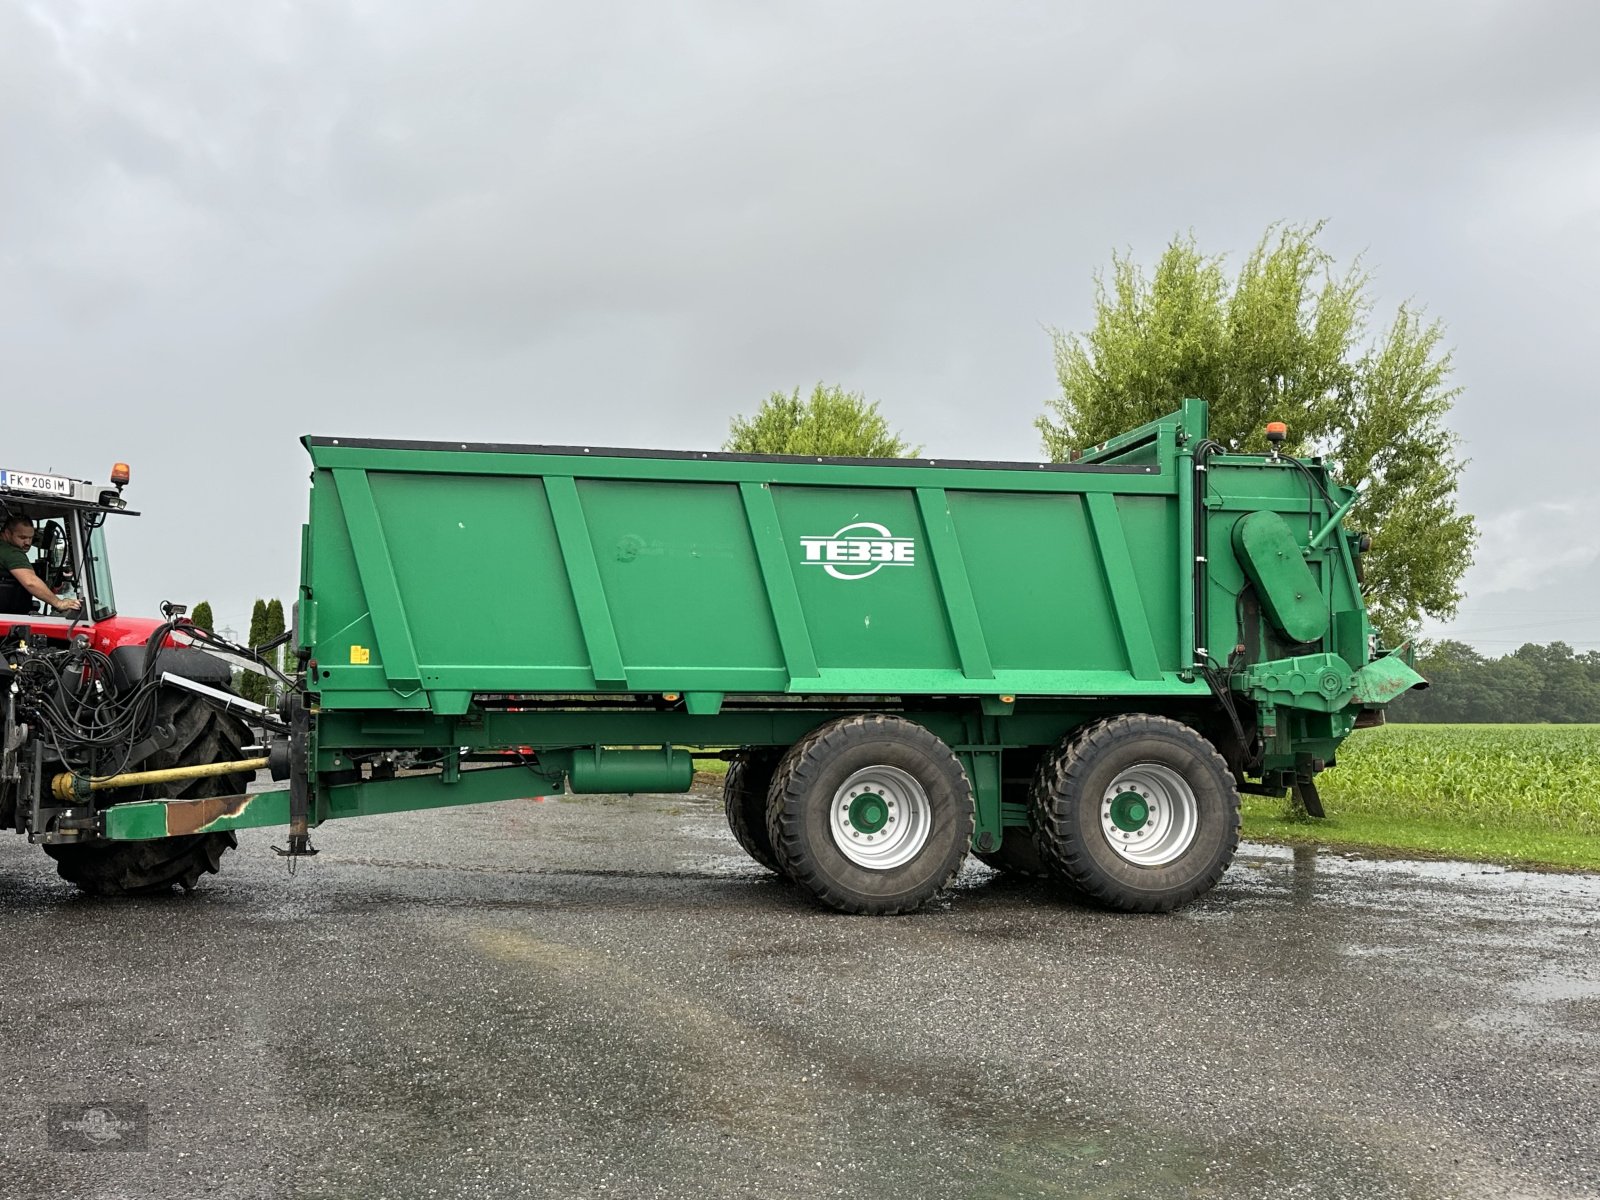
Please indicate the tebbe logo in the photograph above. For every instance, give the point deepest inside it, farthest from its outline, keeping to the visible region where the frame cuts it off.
(858, 550)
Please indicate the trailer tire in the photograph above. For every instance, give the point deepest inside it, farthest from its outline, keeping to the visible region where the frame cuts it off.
(870, 814)
(204, 735)
(744, 799)
(1139, 813)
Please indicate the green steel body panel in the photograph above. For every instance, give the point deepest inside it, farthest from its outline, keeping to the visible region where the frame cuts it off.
(476, 571)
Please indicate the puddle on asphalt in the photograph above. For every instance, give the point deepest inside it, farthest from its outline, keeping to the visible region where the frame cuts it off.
(1308, 866)
(1557, 986)
(1432, 869)
(1521, 949)
(1548, 1005)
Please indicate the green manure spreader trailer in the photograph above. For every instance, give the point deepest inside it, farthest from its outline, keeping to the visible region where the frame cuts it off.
(1070, 670)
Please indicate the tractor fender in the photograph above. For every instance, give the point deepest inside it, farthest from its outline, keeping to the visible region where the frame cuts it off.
(128, 666)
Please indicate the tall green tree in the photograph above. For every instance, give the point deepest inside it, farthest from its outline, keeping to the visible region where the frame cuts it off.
(1289, 338)
(253, 686)
(275, 629)
(830, 422)
(203, 618)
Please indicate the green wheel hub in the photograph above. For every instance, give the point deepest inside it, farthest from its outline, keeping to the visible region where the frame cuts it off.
(869, 812)
(1129, 812)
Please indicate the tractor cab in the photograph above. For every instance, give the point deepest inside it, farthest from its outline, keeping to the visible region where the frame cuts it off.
(68, 550)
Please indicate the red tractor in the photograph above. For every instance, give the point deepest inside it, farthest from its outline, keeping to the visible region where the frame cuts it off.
(103, 708)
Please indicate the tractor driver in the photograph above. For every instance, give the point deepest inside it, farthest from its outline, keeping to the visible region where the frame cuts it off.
(19, 583)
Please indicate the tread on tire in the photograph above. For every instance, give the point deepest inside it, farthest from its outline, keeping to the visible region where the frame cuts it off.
(744, 801)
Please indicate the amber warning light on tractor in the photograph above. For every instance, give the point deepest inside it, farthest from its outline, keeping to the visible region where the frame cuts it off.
(119, 474)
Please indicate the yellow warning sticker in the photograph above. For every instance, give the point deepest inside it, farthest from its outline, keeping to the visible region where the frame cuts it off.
(360, 655)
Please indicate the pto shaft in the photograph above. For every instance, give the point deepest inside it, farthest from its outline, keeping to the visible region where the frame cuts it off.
(63, 787)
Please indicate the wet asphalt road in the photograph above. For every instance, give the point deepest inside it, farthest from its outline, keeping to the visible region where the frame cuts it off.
(602, 997)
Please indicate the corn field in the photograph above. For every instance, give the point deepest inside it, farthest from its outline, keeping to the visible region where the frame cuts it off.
(1475, 775)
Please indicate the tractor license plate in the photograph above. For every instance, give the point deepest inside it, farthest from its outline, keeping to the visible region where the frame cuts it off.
(22, 481)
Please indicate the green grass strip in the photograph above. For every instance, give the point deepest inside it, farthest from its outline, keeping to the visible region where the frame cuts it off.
(1515, 846)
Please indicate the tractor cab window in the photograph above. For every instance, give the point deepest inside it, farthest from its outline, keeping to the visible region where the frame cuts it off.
(49, 556)
(52, 557)
(99, 572)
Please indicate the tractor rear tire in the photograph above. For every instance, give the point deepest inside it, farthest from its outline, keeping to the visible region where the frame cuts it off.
(870, 814)
(744, 799)
(1138, 812)
(204, 735)
(142, 868)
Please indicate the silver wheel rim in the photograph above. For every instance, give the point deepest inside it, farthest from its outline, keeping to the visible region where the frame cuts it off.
(880, 818)
(1149, 815)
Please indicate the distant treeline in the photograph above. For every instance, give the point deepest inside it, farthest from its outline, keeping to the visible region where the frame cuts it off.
(1536, 684)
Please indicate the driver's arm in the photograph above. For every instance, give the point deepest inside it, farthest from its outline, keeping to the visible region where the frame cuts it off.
(36, 587)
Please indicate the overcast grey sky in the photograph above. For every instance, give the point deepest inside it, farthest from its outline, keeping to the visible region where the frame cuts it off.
(226, 225)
